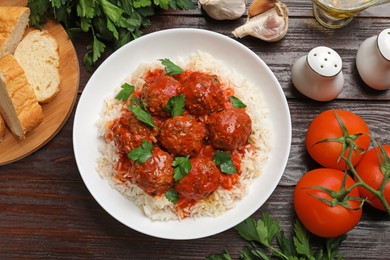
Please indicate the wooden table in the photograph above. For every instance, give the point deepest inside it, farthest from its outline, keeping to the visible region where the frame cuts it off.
(47, 212)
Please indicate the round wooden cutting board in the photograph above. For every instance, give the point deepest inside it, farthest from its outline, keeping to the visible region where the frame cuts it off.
(57, 111)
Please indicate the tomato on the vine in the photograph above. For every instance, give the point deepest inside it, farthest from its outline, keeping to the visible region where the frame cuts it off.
(326, 140)
(318, 211)
(372, 171)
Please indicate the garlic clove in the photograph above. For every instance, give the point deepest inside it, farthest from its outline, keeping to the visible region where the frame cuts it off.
(260, 6)
(271, 25)
(224, 9)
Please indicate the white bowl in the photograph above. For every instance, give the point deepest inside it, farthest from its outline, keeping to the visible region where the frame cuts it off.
(170, 44)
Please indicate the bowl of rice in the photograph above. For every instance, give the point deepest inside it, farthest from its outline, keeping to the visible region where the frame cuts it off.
(262, 166)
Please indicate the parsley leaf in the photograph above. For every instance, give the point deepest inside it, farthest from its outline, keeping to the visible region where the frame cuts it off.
(237, 103)
(170, 67)
(125, 92)
(224, 161)
(224, 256)
(172, 196)
(301, 241)
(176, 105)
(182, 167)
(142, 115)
(181, 4)
(142, 152)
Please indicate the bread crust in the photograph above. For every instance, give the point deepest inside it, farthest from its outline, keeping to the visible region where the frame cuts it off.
(19, 106)
(13, 22)
(2, 128)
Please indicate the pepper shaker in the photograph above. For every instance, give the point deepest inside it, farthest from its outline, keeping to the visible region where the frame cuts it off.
(318, 74)
(373, 61)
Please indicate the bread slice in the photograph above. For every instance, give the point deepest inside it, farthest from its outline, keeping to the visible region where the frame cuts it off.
(2, 128)
(18, 104)
(38, 55)
(13, 23)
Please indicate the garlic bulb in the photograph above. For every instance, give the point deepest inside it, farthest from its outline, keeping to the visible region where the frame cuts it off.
(267, 20)
(224, 9)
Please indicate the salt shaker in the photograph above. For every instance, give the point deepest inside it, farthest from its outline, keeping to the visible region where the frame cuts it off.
(318, 74)
(373, 61)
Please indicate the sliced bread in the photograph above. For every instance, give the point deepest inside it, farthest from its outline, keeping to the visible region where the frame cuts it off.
(13, 23)
(38, 55)
(18, 104)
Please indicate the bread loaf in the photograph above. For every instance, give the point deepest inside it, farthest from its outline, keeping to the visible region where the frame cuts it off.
(38, 55)
(13, 22)
(18, 104)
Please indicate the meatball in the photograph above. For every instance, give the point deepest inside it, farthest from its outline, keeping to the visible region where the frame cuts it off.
(128, 132)
(229, 129)
(155, 176)
(156, 93)
(203, 93)
(182, 135)
(201, 181)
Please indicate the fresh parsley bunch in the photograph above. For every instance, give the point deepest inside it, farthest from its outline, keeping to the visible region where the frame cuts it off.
(261, 232)
(108, 22)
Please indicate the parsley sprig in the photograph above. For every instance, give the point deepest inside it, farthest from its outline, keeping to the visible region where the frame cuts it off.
(176, 105)
(262, 232)
(170, 67)
(142, 115)
(236, 102)
(107, 23)
(224, 161)
(125, 92)
(182, 166)
(142, 152)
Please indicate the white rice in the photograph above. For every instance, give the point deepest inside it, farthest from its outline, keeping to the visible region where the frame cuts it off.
(251, 165)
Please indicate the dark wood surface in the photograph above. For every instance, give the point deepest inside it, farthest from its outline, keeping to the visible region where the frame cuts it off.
(47, 212)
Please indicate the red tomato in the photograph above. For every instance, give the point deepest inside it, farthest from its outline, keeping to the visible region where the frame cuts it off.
(369, 169)
(319, 217)
(324, 126)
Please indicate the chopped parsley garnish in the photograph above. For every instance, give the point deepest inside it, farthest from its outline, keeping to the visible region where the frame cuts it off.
(170, 67)
(126, 91)
(176, 105)
(142, 115)
(182, 167)
(237, 103)
(172, 196)
(224, 161)
(142, 152)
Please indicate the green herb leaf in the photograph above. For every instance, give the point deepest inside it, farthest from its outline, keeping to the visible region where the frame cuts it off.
(142, 152)
(332, 246)
(176, 105)
(181, 4)
(252, 252)
(85, 8)
(267, 228)
(182, 167)
(172, 196)
(286, 246)
(125, 92)
(224, 161)
(301, 241)
(224, 256)
(142, 115)
(170, 67)
(237, 103)
(112, 11)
